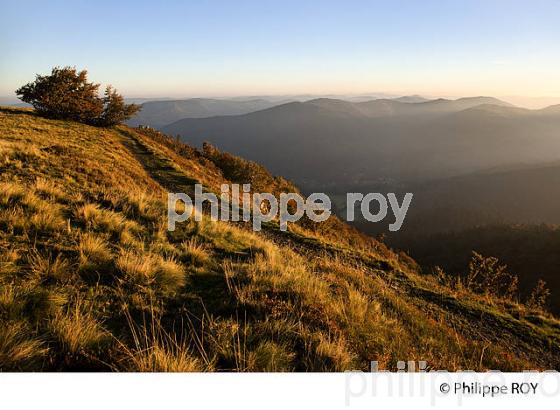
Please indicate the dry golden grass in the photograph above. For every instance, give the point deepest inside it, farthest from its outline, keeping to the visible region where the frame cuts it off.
(78, 332)
(335, 351)
(93, 249)
(151, 270)
(45, 268)
(156, 350)
(270, 356)
(8, 261)
(11, 194)
(49, 189)
(23, 211)
(17, 351)
(195, 252)
(137, 269)
(90, 276)
(97, 219)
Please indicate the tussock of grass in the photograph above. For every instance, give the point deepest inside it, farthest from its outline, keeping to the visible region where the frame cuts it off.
(156, 350)
(94, 252)
(160, 243)
(228, 239)
(137, 269)
(131, 240)
(23, 211)
(11, 193)
(134, 204)
(97, 219)
(194, 252)
(78, 332)
(17, 351)
(151, 271)
(39, 303)
(160, 356)
(271, 357)
(12, 220)
(49, 189)
(11, 302)
(334, 353)
(16, 154)
(47, 219)
(238, 345)
(48, 268)
(170, 275)
(8, 261)
(285, 274)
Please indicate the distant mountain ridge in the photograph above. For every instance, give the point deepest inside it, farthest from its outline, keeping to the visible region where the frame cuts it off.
(382, 107)
(160, 113)
(411, 98)
(324, 142)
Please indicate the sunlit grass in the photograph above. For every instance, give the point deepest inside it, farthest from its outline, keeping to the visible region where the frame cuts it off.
(90, 278)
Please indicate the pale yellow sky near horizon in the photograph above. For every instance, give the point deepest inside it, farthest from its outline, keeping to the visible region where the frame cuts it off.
(505, 49)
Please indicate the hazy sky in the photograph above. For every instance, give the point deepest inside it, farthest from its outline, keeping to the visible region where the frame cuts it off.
(200, 48)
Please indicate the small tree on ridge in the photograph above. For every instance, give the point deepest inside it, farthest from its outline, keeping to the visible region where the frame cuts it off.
(115, 110)
(66, 94)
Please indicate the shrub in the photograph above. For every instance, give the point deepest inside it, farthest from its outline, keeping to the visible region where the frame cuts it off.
(66, 94)
(115, 111)
(539, 296)
(487, 276)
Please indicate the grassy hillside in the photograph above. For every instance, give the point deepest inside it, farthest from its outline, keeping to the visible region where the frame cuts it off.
(90, 279)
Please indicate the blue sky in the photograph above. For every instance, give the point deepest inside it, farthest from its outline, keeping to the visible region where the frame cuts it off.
(199, 48)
